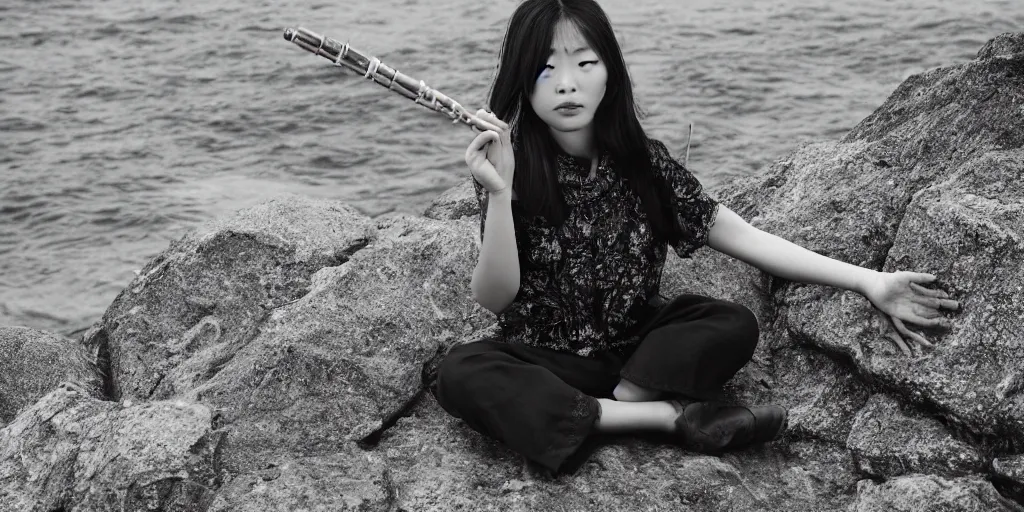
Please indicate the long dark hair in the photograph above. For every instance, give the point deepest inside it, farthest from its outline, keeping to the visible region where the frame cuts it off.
(523, 54)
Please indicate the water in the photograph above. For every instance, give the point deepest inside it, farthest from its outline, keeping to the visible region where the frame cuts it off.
(124, 123)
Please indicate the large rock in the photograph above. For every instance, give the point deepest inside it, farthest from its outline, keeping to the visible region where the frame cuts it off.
(70, 451)
(205, 297)
(968, 229)
(336, 365)
(33, 363)
(822, 397)
(302, 323)
(887, 441)
(346, 480)
(929, 493)
(458, 202)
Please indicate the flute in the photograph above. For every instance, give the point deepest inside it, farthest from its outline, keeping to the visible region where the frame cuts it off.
(341, 54)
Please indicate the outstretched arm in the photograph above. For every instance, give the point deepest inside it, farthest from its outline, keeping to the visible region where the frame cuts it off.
(732, 235)
(898, 294)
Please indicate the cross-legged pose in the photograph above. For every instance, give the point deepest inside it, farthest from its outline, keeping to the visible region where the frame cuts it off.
(578, 208)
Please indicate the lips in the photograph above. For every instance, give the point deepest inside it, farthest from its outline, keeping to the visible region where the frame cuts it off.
(568, 104)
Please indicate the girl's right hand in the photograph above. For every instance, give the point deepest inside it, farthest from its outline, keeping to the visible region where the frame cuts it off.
(490, 156)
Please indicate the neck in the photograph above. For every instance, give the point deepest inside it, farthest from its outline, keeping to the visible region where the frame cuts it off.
(579, 143)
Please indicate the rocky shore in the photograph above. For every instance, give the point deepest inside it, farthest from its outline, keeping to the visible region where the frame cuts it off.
(275, 359)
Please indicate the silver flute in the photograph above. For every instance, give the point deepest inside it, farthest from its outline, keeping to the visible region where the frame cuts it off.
(341, 54)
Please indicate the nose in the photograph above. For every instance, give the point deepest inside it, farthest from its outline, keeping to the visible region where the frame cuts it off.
(565, 83)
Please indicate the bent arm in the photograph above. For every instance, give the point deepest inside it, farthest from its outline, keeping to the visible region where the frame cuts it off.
(732, 235)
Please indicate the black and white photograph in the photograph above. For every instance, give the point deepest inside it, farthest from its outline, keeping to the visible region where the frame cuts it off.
(512, 255)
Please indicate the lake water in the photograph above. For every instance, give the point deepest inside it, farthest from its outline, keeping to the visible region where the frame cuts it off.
(123, 123)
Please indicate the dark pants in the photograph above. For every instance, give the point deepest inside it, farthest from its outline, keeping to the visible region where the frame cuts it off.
(543, 403)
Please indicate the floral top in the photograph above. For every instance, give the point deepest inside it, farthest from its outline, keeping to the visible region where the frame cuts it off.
(584, 285)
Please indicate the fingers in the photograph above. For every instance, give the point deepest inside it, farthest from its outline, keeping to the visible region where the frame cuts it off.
(899, 343)
(484, 120)
(902, 328)
(938, 321)
(936, 303)
(903, 331)
(487, 120)
(929, 292)
(482, 124)
(934, 298)
(920, 277)
(924, 311)
(494, 119)
(890, 332)
(479, 142)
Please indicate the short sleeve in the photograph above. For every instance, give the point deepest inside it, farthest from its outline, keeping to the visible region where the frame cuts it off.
(695, 208)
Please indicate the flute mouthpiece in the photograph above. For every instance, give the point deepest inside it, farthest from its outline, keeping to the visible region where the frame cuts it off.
(289, 34)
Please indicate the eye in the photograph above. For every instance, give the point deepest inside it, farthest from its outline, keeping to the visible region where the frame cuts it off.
(588, 62)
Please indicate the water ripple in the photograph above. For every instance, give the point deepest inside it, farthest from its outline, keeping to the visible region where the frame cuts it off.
(136, 121)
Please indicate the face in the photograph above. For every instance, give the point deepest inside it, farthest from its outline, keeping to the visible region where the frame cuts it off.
(574, 73)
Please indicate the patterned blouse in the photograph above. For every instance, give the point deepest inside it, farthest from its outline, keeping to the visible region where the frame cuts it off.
(584, 285)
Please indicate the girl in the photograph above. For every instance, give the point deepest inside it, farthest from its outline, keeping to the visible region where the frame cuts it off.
(578, 207)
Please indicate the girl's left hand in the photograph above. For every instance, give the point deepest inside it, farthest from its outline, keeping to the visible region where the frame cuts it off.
(901, 297)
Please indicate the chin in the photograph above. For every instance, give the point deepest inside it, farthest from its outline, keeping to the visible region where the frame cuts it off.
(570, 125)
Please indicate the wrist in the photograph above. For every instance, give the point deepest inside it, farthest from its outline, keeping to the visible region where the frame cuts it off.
(505, 192)
(866, 283)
